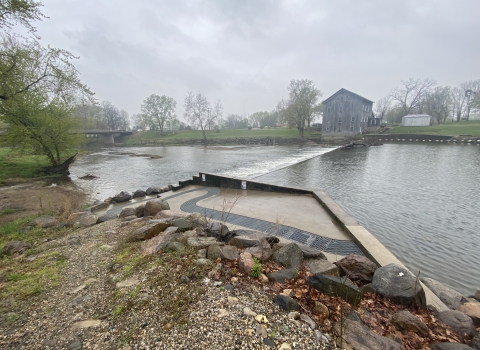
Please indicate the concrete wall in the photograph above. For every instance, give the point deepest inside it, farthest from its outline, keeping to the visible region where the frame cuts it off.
(423, 120)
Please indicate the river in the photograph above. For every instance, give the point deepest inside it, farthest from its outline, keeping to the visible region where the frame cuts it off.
(419, 200)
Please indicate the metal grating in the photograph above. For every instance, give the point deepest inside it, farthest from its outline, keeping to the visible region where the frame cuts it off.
(328, 245)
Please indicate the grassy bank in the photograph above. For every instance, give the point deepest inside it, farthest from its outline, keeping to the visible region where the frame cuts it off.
(471, 128)
(191, 135)
(13, 164)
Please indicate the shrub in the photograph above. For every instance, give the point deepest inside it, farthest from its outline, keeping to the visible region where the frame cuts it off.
(256, 269)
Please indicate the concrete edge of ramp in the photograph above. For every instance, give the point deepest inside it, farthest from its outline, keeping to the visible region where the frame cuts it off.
(371, 246)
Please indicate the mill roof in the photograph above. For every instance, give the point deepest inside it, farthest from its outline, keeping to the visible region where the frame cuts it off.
(345, 90)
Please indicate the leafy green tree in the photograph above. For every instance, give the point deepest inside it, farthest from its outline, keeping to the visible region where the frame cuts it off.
(21, 12)
(159, 110)
(38, 88)
(301, 106)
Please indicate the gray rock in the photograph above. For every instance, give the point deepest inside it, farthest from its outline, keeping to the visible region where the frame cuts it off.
(127, 212)
(310, 253)
(153, 190)
(407, 322)
(224, 252)
(98, 206)
(368, 288)
(107, 217)
(139, 194)
(76, 216)
(152, 207)
(140, 210)
(321, 266)
(121, 197)
(130, 218)
(203, 262)
(86, 221)
(449, 296)
(458, 321)
(311, 323)
(398, 285)
(261, 331)
(244, 241)
(362, 338)
(219, 231)
(147, 231)
(269, 342)
(174, 247)
(476, 342)
(286, 303)
(43, 221)
(182, 224)
(477, 295)
(200, 242)
(472, 310)
(283, 275)
(262, 252)
(450, 346)
(15, 247)
(75, 345)
(357, 268)
(290, 256)
(337, 286)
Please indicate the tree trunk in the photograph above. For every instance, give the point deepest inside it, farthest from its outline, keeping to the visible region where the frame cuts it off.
(61, 169)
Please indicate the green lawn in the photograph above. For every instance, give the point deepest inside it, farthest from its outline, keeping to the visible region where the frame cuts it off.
(156, 136)
(471, 127)
(14, 164)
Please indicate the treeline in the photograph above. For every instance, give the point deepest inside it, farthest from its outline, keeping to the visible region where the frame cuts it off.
(424, 96)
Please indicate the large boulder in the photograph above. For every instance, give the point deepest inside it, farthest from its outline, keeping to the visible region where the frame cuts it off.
(127, 212)
(107, 217)
(153, 206)
(476, 342)
(201, 242)
(224, 252)
(244, 241)
(283, 275)
(140, 210)
(262, 252)
(449, 296)
(458, 321)
(290, 256)
(362, 338)
(43, 221)
(121, 197)
(147, 231)
(183, 224)
(219, 231)
(310, 253)
(357, 268)
(407, 322)
(323, 267)
(472, 310)
(76, 216)
(155, 244)
(398, 285)
(153, 190)
(15, 247)
(139, 194)
(164, 214)
(85, 221)
(336, 286)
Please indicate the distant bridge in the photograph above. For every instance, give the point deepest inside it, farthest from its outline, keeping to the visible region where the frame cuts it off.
(108, 135)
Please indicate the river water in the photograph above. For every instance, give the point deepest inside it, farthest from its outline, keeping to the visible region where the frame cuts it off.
(420, 200)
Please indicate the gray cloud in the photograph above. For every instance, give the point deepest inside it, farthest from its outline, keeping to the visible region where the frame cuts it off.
(246, 52)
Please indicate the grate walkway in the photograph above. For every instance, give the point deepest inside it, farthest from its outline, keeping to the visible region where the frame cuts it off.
(328, 245)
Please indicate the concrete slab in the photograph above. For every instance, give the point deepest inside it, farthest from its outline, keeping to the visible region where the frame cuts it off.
(299, 211)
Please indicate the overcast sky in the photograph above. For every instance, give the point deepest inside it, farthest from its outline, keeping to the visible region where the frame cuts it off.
(245, 52)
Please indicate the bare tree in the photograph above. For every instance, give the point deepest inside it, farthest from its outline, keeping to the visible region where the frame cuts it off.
(438, 103)
(111, 116)
(411, 93)
(470, 88)
(215, 113)
(383, 106)
(197, 110)
(458, 102)
(124, 120)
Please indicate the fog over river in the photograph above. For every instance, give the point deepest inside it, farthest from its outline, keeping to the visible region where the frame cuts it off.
(420, 200)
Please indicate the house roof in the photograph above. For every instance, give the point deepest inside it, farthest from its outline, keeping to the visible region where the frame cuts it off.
(342, 90)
